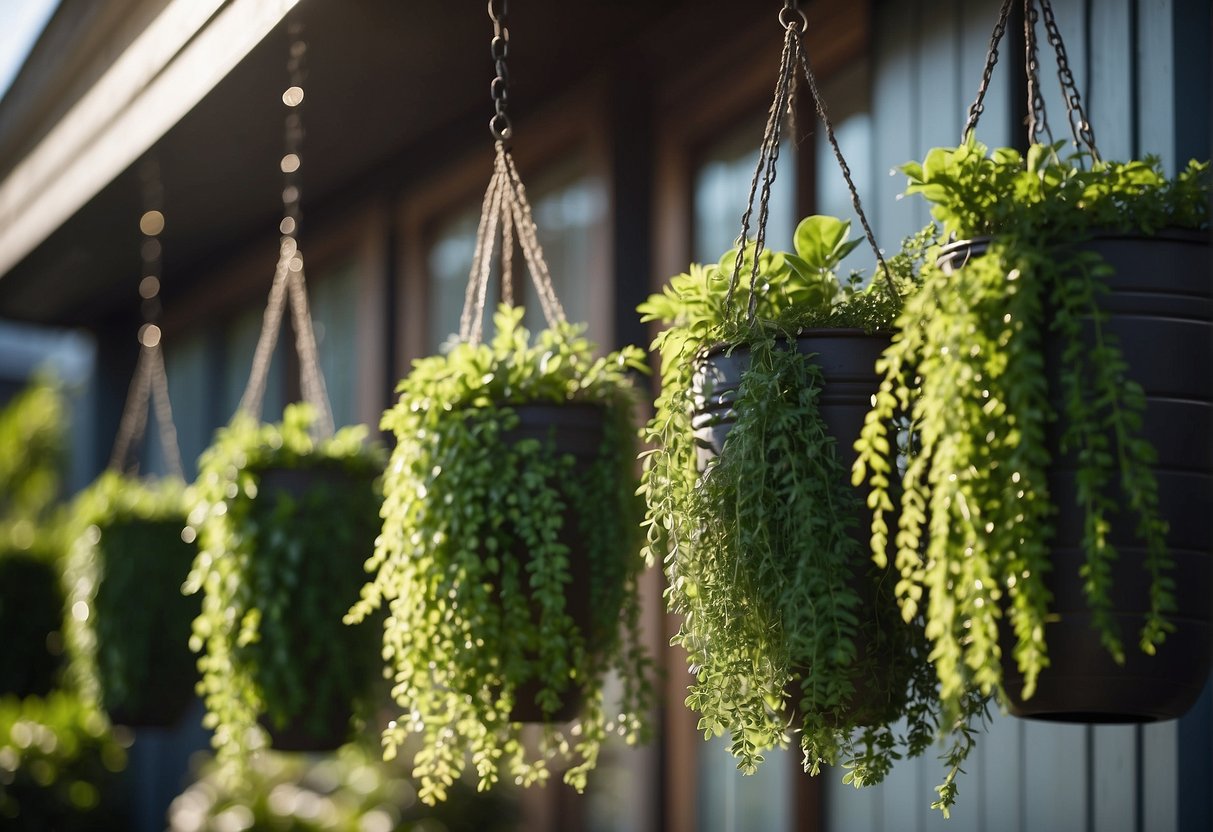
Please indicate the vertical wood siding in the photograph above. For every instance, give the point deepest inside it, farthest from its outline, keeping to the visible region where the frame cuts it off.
(928, 58)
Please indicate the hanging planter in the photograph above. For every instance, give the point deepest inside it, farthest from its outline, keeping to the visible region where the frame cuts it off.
(284, 523)
(31, 599)
(768, 369)
(286, 515)
(1038, 367)
(507, 560)
(750, 508)
(131, 658)
(1052, 502)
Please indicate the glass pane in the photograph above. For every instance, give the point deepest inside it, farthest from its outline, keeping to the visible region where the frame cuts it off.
(722, 185)
(185, 363)
(334, 304)
(729, 801)
(848, 94)
(240, 341)
(449, 261)
(567, 203)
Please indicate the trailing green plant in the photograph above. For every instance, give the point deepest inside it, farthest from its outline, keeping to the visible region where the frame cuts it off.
(31, 546)
(761, 549)
(59, 767)
(277, 571)
(349, 791)
(967, 367)
(132, 659)
(475, 556)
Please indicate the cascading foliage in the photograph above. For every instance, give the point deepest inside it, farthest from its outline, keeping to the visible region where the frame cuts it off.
(472, 561)
(967, 367)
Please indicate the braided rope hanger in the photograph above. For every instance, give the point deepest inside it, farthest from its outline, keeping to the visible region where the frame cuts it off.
(149, 381)
(289, 281)
(505, 211)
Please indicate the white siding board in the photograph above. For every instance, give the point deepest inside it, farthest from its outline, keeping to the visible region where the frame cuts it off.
(1159, 776)
(1055, 776)
(1114, 778)
(996, 778)
(1109, 89)
(1156, 80)
(894, 117)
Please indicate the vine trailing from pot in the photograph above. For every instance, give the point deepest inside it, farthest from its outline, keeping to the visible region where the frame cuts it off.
(507, 561)
(285, 515)
(1046, 515)
(282, 522)
(133, 660)
(767, 372)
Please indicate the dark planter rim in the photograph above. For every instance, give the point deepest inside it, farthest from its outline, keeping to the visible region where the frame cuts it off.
(981, 242)
(808, 332)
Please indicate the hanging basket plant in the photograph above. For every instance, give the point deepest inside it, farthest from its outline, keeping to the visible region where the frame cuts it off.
(131, 658)
(787, 625)
(284, 523)
(507, 559)
(31, 549)
(1057, 369)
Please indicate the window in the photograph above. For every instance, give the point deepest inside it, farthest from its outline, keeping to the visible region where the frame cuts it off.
(334, 307)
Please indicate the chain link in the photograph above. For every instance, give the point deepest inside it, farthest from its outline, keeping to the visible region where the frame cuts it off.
(1080, 127)
(1038, 119)
(979, 105)
(499, 87)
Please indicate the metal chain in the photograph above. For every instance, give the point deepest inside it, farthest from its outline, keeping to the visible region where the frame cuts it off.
(150, 383)
(499, 87)
(289, 283)
(1038, 119)
(820, 105)
(979, 106)
(1080, 127)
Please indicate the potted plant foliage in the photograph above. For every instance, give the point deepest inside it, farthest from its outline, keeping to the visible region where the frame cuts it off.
(283, 523)
(1056, 367)
(131, 658)
(60, 767)
(31, 548)
(787, 625)
(507, 561)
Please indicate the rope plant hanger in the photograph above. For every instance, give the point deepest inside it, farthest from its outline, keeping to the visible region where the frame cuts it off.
(510, 521)
(289, 282)
(150, 382)
(505, 211)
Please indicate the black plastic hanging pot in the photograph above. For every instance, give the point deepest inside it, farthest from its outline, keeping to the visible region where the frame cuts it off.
(1160, 307)
(164, 562)
(847, 358)
(31, 621)
(322, 724)
(576, 430)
